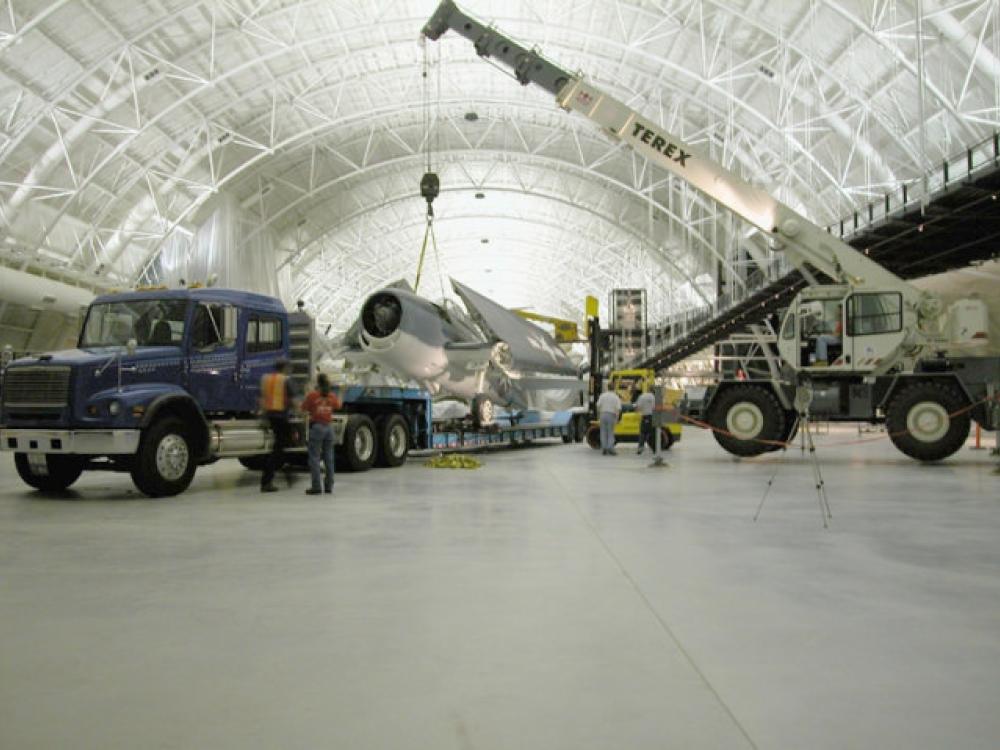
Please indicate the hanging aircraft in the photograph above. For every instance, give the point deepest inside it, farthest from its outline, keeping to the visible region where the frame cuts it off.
(485, 355)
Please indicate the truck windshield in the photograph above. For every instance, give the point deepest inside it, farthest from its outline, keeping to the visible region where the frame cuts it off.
(151, 322)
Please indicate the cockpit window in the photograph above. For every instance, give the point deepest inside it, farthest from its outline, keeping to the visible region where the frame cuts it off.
(151, 322)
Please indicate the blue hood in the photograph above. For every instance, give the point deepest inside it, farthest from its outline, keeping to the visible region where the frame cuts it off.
(96, 356)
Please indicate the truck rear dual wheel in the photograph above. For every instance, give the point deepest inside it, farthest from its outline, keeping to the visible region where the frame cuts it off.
(922, 423)
(393, 440)
(360, 446)
(61, 471)
(747, 414)
(165, 463)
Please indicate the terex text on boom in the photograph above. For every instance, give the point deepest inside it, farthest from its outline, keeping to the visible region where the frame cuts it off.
(661, 144)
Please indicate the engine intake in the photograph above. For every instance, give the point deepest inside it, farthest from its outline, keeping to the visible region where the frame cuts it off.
(381, 315)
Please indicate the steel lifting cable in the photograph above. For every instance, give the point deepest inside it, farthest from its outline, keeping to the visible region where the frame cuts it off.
(429, 184)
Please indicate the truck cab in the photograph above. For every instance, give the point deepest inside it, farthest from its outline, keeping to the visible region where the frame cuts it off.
(154, 374)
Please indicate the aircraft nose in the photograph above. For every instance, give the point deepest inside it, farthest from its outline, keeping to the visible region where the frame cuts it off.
(381, 314)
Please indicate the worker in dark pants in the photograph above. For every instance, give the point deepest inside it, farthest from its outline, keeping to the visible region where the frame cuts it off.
(320, 405)
(645, 405)
(276, 404)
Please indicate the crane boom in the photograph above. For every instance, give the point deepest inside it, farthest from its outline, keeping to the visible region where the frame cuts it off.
(803, 242)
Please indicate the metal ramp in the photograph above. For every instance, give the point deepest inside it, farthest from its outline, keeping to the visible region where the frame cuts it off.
(959, 225)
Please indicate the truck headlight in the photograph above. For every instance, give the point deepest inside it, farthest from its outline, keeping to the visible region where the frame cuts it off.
(114, 408)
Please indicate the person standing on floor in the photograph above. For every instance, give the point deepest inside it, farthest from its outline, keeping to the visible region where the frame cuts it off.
(645, 405)
(320, 404)
(276, 404)
(609, 408)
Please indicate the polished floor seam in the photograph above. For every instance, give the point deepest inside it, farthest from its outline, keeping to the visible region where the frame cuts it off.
(664, 626)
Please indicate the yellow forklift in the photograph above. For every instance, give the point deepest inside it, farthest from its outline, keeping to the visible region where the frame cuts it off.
(628, 384)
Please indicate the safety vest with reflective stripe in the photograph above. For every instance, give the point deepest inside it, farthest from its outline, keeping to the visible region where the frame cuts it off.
(272, 391)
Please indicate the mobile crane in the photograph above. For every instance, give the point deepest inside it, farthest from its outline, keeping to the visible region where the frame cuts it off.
(867, 347)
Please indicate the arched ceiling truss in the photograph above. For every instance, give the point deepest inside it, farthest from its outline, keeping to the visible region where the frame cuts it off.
(120, 122)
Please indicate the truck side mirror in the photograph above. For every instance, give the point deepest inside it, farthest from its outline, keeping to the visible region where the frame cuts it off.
(130, 346)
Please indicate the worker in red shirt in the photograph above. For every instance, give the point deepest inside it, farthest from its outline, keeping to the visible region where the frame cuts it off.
(320, 404)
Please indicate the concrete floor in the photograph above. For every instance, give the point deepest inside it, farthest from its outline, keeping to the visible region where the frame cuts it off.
(552, 599)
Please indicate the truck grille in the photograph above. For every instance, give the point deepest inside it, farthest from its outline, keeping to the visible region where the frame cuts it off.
(36, 387)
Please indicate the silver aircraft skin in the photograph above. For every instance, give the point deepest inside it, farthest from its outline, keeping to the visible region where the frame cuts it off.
(485, 354)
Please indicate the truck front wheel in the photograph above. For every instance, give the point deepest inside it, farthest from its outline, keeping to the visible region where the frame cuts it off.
(165, 463)
(922, 423)
(58, 473)
(744, 415)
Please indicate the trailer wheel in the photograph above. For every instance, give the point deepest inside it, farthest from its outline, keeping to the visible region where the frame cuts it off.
(60, 471)
(166, 462)
(570, 435)
(919, 423)
(580, 431)
(749, 413)
(359, 442)
(594, 436)
(393, 440)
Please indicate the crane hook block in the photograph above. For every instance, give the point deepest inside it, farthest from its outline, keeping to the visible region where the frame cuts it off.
(430, 186)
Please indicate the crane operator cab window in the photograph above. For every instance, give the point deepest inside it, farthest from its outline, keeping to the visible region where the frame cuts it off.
(821, 323)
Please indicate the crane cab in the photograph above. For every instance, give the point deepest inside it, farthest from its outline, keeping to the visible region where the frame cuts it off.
(838, 328)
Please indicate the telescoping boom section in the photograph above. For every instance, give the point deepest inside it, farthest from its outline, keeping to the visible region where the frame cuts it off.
(807, 245)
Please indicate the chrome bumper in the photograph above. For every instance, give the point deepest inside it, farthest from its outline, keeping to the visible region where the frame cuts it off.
(81, 442)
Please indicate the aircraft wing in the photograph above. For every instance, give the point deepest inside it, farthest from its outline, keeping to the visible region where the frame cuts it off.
(531, 348)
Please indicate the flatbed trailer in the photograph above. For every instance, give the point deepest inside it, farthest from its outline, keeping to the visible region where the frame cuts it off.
(455, 435)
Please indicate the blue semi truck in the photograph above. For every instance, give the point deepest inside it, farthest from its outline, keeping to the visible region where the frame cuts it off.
(165, 380)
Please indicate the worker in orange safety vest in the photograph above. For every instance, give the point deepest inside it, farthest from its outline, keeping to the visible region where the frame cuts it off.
(276, 404)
